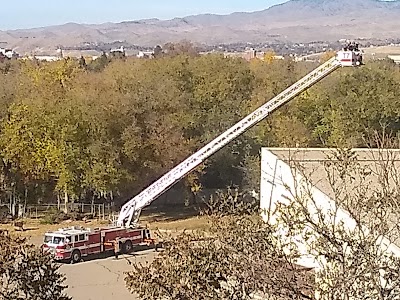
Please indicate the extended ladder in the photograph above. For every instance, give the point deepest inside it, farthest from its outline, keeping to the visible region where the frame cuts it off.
(131, 210)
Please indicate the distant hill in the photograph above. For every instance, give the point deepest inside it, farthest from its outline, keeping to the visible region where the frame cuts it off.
(295, 21)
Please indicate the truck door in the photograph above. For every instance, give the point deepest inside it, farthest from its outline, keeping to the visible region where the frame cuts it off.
(84, 239)
(81, 243)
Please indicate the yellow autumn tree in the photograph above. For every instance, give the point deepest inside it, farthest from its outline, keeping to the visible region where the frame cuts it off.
(269, 56)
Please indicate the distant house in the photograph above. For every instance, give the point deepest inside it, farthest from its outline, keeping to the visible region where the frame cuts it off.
(145, 54)
(118, 52)
(8, 53)
(250, 54)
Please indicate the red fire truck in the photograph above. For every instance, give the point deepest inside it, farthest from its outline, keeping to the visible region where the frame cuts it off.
(73, 243)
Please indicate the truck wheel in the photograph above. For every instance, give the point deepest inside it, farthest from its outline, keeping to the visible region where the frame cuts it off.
(127, 247)
(76, 256)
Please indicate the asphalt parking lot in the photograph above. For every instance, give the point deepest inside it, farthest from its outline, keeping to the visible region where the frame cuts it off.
(99, 279)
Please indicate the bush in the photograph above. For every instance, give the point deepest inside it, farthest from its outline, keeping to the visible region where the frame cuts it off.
(5, 214)
(28, 273)
(54, 217)
(240, 257)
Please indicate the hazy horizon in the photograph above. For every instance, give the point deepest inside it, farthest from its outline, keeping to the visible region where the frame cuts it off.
(26, 14)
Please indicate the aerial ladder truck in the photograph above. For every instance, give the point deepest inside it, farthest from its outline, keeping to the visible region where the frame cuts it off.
(71, 243)
(130, 212)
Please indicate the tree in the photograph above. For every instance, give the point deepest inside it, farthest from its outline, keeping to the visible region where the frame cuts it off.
(82, 63)
(183, 47)
(99, 63)
(363, 101)
(327, 55)
(223, 264)
(269, 56)
(27, 272)
(158, 51)
(45, 135)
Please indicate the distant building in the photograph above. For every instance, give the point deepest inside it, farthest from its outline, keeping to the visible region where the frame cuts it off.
(8, 53)
(279, 57)
(44, 57)
(395, 58)
(250, 54)
(118, 52)
(60, 53)
(145, 54)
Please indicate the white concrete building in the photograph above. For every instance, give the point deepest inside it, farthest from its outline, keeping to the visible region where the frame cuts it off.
(290, 174)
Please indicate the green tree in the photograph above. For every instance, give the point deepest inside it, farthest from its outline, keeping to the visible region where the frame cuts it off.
(362, 101)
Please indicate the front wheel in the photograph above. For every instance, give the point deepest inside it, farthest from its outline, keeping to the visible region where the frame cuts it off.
(76, 256)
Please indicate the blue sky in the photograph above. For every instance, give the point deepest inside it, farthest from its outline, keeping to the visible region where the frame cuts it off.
(36, 13)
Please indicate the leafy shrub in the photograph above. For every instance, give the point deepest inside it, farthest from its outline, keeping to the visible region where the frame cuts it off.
(28, 273)
(238, 258)
(54, 217)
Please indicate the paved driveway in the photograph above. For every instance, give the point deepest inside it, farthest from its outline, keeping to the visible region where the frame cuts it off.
(100, 279)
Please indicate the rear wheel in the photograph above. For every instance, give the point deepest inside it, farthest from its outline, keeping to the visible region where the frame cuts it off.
(76, 256)
(127, 247)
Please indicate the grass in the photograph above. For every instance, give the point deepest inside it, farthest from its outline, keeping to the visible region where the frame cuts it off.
(381, 51)
(34, 228)
(194, 223)
(173, 219)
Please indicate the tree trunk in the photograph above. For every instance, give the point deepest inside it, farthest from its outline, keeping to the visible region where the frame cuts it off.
(66, 201)
(92, 205)
(58, 202)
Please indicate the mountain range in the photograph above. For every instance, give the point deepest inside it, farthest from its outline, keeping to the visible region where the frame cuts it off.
(293, 21)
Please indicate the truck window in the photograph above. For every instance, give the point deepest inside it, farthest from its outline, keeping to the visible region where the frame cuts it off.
(58, 240)
(81, 237)
(48, 239)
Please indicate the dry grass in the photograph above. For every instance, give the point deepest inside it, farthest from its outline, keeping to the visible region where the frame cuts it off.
(33, 228)
(380, 52)
(35, 231)
(172, 219)
(194, 223)
(383, 50)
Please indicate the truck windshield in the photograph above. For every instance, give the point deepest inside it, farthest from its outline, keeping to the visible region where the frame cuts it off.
(48, 239)
(58, 240)
(53, 239)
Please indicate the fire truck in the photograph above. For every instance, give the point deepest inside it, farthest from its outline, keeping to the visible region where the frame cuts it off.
(126, 232)
(74, 243)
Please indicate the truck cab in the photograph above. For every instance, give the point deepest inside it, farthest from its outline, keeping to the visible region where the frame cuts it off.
(65, 242)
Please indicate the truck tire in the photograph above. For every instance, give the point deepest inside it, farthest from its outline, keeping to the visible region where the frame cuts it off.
(76, 256)
(127, 246)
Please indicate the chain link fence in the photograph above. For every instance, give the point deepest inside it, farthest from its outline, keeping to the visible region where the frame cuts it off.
(98, 211)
